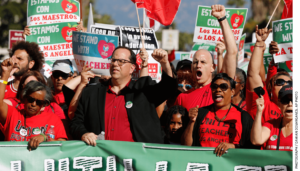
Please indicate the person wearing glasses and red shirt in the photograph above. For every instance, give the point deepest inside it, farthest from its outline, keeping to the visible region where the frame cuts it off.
(123, 109)
(256, 87)
(30, 123)
(222, 124)
(276, 133)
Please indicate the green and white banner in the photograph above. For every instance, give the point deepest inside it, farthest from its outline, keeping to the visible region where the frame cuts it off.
(55, 40)
(241, 49)
(120, 156)
(283, 35)
(52, 11)
(208, 29)
(211, 47)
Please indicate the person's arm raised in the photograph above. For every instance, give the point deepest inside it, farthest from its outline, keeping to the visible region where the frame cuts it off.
(220, 49)
(161, 56)
(144, 65)
(229, 64)
(254, 79)
(6, 66)
(85, 75)
(187, 136)
(259, 134)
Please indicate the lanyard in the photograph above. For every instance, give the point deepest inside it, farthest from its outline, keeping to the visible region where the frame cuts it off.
(278, 140)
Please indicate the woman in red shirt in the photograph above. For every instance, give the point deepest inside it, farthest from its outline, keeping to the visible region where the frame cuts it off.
(30, 123)
(221, 125)
(26, 78)
(276, 133)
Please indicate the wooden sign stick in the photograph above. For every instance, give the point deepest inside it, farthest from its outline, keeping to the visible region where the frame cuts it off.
(139, 24)
(273, 13)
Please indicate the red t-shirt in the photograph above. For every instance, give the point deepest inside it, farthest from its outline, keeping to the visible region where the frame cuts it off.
(243, 105)
(200, 96)
(10, 91)
(271, 110)
(59, 98)
(56, 109)
(285, 144)
(117, 126)
(272, 70)
(15, 122)
(213, 132)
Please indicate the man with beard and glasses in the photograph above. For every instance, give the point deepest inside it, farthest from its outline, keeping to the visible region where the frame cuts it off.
(203, 66)
(26, 56)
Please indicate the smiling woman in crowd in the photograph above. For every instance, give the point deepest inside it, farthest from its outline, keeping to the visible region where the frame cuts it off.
(221, 124)
(29, 124)
(276, 133)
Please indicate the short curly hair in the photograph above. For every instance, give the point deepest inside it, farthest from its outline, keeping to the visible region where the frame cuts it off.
(33, 51)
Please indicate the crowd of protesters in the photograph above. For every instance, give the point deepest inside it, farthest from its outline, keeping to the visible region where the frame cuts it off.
(200, 103)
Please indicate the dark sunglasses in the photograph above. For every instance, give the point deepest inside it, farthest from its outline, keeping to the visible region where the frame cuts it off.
(281, 82)
(222, 86)
(187, 86)
(61, 74)
(38, 102)
(286, 100)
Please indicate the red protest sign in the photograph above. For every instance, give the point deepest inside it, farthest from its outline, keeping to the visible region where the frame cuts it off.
(14, 36)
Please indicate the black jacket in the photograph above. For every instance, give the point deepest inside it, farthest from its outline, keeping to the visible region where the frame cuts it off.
(142, 116)
(246, 120)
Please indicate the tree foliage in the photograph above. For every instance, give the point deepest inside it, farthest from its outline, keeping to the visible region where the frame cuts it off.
(12, 17)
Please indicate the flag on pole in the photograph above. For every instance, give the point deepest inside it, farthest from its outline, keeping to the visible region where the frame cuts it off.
(288, 9)
(171, 56)
(163, 11)
(90, 19)
(150, 23)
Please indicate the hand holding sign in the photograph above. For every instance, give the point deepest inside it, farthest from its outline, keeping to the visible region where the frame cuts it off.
(26, 32)
(144, 56)
(273, 48)
(193, 113)
(160, 56)
(218, 11)
(86, 75)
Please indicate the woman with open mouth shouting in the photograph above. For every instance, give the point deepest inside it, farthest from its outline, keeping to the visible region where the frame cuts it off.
(222, 124)
(276, 133)
(29, 123)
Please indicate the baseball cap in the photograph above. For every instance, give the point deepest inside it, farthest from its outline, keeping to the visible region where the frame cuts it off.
(63, 66)
(183, 63)
(285, 90)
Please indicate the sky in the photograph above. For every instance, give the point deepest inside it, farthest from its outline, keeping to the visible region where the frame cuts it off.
(123, 12)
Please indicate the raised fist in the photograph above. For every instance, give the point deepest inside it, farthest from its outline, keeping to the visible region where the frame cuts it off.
(260, 103)
(144, 57)
(160, 56)
(7, 66)
(193, 113)
(262, 34)
(218, 11)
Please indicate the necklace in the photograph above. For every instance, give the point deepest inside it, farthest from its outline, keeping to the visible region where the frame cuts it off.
(217, 118)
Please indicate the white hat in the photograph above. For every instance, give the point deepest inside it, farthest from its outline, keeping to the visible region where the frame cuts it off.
(63, 66)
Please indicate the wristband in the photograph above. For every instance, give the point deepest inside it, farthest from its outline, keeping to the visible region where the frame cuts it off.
(45, 138)
(221, 19)
(3, 82)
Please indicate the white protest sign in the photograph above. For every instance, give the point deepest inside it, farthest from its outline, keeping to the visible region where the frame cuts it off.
(170, 39)
(283, 35)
